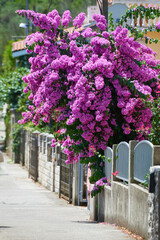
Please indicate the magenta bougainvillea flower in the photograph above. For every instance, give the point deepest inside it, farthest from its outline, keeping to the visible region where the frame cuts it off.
(99, 81)
(158, 25)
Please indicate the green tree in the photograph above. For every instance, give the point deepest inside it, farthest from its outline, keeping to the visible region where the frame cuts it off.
(8, 62)
(11, 87)
(9, 21)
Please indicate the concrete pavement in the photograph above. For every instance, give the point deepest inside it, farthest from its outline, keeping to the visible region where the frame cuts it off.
(30, 212)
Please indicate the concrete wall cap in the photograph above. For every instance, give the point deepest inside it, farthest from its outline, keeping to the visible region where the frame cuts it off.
(154, 169)
(36, 131)
(144, 141)
(123, 143)
(108, 188)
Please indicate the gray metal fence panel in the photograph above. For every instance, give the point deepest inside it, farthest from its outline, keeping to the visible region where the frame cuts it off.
(41, 143)
(66, 177)
(50, 150)
(82, 183)
(122, 160)
(142, 159)
(108, 161)
(44, 141)
(33, 156)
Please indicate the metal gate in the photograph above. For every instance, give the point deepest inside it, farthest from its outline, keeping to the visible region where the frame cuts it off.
(33, 156)
(66, 175)
(82, 183)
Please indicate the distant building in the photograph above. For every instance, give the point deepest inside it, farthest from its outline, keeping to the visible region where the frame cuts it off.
(142, 23)
(19, 52)
(130, 3)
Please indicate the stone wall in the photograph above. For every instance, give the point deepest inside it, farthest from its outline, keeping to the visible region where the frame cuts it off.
(126, 206)
(48, 160)
(46, 172)
(138, 210)
(47, 163)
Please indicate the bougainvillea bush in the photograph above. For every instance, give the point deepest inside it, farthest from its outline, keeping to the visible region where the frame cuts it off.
(96, 83)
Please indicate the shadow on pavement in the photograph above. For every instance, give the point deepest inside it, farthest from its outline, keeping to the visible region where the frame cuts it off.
(5, 227)
(88, 222)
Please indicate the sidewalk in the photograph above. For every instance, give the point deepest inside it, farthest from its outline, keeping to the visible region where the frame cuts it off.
(30, 212)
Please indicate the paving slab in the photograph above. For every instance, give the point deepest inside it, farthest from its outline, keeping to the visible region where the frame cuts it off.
(30, 212)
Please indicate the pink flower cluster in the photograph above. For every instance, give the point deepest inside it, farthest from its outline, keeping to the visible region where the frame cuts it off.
(101, 21)
(43, 21)
(78, 21)
(158, 25)
(99, 185)
(66, 18)
(98, 80)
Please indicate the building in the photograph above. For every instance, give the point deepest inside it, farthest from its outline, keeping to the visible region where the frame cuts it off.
(142, 23)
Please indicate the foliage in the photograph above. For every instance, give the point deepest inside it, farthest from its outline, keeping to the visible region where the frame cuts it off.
(11, 88)
(149, 13)
(146, 181)
(9, 62)
(99, 185)
(42, 127)
(111, 26)
(11, 91)
(94, 84)
(7, 121)
(9, 24)
(154, 136)
(16, 137)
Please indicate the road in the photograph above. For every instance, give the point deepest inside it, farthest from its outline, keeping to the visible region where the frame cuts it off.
(30, 212)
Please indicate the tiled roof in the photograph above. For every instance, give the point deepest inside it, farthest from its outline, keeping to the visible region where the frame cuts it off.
(19, 45)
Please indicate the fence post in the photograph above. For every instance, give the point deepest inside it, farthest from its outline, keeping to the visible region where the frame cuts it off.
(114, 162)
(93, 206)
(33, 155)
(131, 180)
(132, 145)
(156, 155)
(101, 205)
(1, 157)
(154, 204)
(36, 134)
(60, 173)
(75, 185)
(70, 183)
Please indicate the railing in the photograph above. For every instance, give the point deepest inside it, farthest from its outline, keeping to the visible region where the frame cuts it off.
(122, 160)
(142, 160)
(33, 155)
(66, 174)
(82, 183)
(130, 162)
(108, 162)
(139, 22)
